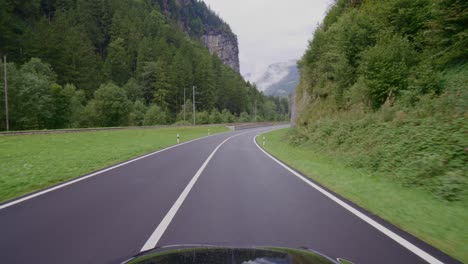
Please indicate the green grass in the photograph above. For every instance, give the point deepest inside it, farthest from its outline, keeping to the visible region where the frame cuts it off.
(31, 162)
(440, 223)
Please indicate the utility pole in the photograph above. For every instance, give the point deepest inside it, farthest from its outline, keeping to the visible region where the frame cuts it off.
(193, 103)
(184, 104)
(255, 111)
(6, 92)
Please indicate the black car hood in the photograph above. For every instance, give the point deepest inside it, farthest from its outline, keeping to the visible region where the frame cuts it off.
(197, 254)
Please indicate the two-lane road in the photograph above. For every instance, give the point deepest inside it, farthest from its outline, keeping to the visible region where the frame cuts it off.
(219, 190)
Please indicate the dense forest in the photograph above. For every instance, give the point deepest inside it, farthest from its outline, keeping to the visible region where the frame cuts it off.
(195, 17)
(87, 63)
(384, 88)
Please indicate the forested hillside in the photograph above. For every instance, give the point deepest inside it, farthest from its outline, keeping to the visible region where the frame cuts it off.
(195, 17)
(80, 63)
(384, 88)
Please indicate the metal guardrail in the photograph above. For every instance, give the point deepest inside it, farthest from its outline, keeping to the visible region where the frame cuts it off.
(233, 126)
(252, 125)
(77, 130)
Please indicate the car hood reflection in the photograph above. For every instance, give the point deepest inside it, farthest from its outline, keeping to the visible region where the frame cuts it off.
(213, 255)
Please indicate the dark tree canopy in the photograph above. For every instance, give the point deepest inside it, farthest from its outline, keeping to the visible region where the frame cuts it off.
(104, 59)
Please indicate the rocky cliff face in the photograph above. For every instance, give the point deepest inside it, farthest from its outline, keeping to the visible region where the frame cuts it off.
(200, 22)
(300, 100)
(224, 44)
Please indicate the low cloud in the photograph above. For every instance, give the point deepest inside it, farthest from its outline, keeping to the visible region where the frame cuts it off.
(270, 31)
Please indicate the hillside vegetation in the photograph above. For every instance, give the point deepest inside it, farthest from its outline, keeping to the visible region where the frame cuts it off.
(384, 88)
(436, 221)
(194, 16)
(80, 63)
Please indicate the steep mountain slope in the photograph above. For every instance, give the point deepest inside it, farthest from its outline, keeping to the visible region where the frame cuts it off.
(199, 21)
(383, 90)
(383, 85)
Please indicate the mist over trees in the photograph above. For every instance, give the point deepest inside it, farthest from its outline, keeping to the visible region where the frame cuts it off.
(79, 63)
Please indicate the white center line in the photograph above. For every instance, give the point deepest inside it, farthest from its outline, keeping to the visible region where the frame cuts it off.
(159, 231)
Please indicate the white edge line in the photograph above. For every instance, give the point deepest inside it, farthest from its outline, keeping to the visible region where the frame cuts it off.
(405, 243)
(159, 231)
(28, 197)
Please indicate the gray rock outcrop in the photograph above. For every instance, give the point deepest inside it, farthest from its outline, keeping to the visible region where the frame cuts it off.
(224, 45)
(200, 22)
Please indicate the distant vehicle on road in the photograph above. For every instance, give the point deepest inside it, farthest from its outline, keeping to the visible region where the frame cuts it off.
(201, 254)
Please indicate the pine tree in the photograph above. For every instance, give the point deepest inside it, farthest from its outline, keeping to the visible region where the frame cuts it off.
(117, 66)
(79, 65)
(110, 106)
(181, 78)
(204, 80)
(95, 16)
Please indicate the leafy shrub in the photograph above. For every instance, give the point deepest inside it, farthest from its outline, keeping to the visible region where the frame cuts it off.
(244, 117)
(451, 185)
(186, 112)
(296, 137)
(203, 118)
(385, 68)
(227, 116)
(137, 115)
(215, 117)
(155, 116)
(110, 107)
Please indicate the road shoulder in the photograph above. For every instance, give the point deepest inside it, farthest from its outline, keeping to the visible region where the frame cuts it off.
(421, 217)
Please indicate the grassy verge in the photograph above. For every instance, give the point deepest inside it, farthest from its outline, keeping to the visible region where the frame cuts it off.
(440, 223)
(32, 162)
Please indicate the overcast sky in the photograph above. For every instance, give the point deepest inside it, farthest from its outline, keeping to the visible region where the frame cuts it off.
(270, 31)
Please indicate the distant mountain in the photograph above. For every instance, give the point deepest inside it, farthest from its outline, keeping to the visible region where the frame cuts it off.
(279, 79)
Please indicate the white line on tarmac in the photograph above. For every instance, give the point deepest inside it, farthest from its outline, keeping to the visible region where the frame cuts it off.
(405, 243)
(159, 231)
(8, 204)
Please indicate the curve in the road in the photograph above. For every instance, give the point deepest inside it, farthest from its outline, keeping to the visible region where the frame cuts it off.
(219, 190)
(159, 231)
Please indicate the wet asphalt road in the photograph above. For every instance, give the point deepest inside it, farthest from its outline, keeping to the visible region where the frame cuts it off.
(242, 198)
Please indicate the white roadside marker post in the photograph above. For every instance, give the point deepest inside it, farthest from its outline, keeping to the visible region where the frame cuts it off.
(178, 138)
(263, 140)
